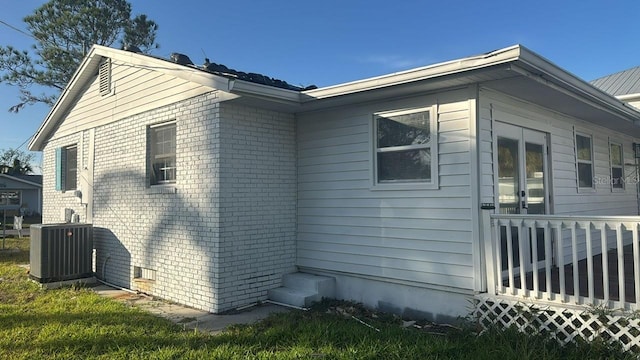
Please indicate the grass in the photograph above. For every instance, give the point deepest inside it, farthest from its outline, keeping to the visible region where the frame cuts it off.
(75, 323)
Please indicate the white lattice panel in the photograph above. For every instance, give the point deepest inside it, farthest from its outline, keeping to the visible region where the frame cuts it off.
(563, 324)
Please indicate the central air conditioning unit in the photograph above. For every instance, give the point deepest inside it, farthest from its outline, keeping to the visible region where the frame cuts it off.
(61, 252)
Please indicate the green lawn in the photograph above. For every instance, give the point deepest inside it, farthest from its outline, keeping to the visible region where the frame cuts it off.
(78, 324)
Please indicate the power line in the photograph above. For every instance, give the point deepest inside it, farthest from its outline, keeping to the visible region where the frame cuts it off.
(24, 142)
(17, 29)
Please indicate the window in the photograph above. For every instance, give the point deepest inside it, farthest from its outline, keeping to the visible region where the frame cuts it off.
(10, 198)
(67, 168)
(162, 151)
(584, 158)
(617, 166)
(104, 74)
(405, 149)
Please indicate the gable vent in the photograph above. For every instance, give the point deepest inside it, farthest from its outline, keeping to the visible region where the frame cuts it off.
(105, 77)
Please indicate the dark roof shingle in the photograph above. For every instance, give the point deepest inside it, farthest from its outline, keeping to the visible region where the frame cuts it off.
(222, 70)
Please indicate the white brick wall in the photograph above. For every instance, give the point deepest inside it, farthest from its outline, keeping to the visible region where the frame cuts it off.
(258, 202)
(54, 201)
(225, 236)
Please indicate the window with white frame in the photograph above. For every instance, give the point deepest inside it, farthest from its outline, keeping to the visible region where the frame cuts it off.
(617, 166)
(67, 168)
(584, 159)
(10, 198)
(162, 154)
(405, 147)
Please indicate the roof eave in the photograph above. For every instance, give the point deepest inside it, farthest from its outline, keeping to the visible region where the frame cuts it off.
(519, 59)
(13, 178)
(628, 97)
(497, 57)
(270, 93)
(543, 70)
(89, 66)
(36, 142)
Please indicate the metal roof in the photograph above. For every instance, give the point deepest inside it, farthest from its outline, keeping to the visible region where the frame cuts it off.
(621, 83)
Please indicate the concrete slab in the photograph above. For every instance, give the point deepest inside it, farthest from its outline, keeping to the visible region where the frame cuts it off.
(190, 318)
(84, 282)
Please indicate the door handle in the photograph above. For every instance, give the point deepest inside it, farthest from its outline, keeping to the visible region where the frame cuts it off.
(523, 197)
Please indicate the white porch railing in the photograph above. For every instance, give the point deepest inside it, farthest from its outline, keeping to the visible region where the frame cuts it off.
(560, 259)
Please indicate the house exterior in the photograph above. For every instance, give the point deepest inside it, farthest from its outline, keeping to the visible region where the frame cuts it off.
(21, 194)
(206, 185)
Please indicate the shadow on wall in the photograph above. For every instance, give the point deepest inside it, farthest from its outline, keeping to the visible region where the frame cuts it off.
(113, 260)
(171, 233)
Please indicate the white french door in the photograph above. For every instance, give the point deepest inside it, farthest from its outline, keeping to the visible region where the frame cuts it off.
(522, 183)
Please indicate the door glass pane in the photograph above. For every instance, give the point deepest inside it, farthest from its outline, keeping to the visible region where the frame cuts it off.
(534, 168)
(535, 178)
(508, 177)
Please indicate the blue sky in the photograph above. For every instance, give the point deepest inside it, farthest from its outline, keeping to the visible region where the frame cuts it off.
(334, 41)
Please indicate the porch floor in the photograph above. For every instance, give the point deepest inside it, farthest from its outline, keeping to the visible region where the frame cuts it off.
(599, 285)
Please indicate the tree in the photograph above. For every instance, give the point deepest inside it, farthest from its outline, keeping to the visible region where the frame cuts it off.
(64, 30)
(15, 162)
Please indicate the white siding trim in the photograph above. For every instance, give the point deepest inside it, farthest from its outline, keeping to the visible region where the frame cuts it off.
(474, 161)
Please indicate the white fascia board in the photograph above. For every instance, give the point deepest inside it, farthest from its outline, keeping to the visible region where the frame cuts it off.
(272, 93)
(501, 56)
(629, 97)
(546, 71)
(20, 180)
(88, 68)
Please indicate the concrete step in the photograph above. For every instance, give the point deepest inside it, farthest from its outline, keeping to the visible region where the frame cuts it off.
(323, 285)
(300, 289)
(295, 297)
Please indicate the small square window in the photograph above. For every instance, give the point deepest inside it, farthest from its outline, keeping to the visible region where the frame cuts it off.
(162, 154)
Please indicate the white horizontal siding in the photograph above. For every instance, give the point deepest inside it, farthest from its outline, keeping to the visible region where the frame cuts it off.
(566, 198)
(345, 225)
(135, 90)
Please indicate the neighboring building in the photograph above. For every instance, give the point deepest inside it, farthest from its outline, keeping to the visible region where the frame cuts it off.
(624, 85)
(206, 185)
(21, 193)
